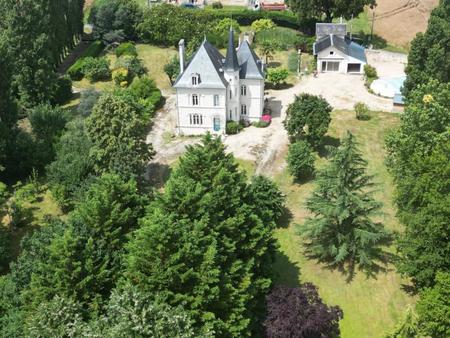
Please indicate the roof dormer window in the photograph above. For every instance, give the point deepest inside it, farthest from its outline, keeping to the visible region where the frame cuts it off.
(195, 79)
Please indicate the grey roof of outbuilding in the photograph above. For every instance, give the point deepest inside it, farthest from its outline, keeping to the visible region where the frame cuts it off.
(323, 29)
(345, 45)
(207, 62)
(251, 65)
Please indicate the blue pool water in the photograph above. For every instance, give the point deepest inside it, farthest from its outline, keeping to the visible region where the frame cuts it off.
(396, 82)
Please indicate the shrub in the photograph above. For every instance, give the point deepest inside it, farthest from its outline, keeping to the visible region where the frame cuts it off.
(277, 76)
(233, 127)
(300, 160)
(262, 24)
(217, 5)
(370, 74)
(126, 48)
(260, 124)
(96, 69)
(132, 64)
(76, 70)
(266, 118)
(121, 76)
(145, 92)
(63, 90)
(87, 101)
(362, 111)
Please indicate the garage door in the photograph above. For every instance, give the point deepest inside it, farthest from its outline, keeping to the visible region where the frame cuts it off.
(354, 68)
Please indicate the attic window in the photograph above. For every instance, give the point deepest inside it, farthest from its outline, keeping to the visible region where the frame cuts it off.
(332, 52)
(195, 79)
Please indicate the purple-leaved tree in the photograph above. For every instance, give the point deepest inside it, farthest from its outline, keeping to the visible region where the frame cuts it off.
(300, 313)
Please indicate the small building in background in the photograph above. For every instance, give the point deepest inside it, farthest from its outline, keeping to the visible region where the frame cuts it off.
(336, 52)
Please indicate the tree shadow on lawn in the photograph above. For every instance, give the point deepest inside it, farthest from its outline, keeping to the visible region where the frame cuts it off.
(328, 143)
(281, 86)
(382, 260)
(286, 272)
(285, 219)
(274, 64)
(157, 174)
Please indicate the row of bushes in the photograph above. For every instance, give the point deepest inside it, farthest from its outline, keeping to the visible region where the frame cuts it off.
(233, 127)
(76, 70)
(188, 24)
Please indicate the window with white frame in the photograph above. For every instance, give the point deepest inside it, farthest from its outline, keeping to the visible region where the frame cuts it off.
(243, 90)
(243, 109)
(196, 119)
(195, 79)
(194, 99)
(230, 93)
(216, 100)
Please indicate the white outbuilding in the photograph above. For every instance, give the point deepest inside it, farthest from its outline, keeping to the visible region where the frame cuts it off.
(336, 52)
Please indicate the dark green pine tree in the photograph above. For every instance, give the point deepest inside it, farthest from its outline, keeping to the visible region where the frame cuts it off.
(201, 244)
(341, 231)
(85, 262)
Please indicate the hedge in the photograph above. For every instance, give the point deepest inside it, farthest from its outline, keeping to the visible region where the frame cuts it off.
(245, 17)
(76, 70)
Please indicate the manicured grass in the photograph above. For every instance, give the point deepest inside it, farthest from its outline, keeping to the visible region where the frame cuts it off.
(371, 306)
(154, 59)
(247, 166)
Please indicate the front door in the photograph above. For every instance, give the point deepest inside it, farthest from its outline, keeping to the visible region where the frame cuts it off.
(216, 123)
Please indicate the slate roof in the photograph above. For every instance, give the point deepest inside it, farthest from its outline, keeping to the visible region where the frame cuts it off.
(345, 45)
(323, 29)
(210, 65)
(231, 61)
(207, 62)
(251, 65)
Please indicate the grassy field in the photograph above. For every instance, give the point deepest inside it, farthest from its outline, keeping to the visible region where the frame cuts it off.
(371, 306)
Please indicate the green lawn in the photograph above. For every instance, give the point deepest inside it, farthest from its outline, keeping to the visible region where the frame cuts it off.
(371, 306)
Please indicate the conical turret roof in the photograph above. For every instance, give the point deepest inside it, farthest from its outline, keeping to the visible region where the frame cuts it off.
(231, 60)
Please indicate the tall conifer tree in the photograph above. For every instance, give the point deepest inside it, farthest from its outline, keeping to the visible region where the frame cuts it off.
(342, 231)
(202, 244)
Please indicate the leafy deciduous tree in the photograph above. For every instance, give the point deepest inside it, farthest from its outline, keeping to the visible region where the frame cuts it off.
(316, 9)
(300, 313)
(308, 116)
(117, 131)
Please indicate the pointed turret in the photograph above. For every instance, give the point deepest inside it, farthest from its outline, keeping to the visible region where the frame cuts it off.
(231, 60)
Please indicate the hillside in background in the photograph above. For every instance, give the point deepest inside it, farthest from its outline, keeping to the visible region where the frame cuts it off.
(398, 21)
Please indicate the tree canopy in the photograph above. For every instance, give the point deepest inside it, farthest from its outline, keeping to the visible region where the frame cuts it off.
(342, 231)
(202, 244)
(300, 313)
(429, 57)
(329, 9)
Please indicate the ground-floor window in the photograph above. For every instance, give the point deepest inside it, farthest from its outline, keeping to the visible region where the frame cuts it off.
(330, 66)
(196, 119)
(243, 109)
(354, 68)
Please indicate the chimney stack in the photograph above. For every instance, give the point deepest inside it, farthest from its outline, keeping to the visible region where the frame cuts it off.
(181, 52)
(247, 37)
